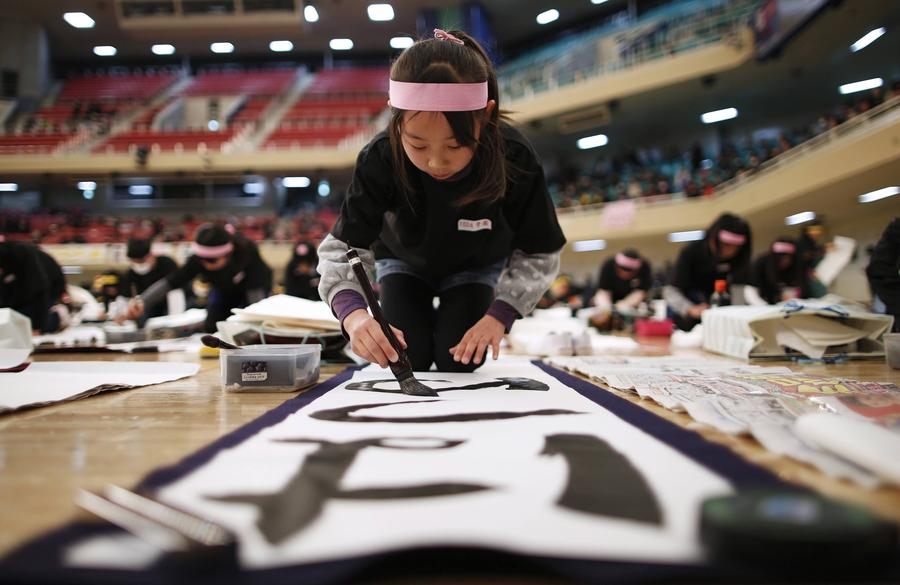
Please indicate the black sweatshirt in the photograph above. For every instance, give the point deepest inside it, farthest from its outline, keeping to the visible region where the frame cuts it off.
(25, 285)
(618, 288)
(698, 269)
(246, 271)
(431, 234)
(884, 270)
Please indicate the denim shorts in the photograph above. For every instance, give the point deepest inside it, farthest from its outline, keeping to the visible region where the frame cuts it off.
(488, 275)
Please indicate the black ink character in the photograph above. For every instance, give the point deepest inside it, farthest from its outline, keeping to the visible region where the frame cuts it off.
(509, 383)
(289, 511)
(345, 414)
(602, 481)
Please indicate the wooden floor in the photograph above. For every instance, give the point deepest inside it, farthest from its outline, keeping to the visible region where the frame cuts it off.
(46, 454)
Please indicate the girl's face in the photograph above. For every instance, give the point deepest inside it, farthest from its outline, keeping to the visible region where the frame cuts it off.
(429, 143)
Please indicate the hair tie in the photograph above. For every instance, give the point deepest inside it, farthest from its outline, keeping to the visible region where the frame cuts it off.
(443, 35)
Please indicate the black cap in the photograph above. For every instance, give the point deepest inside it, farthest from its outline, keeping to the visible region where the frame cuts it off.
(137, 248)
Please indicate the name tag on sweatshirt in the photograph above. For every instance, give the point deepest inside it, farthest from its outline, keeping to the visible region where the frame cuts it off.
(473, 225)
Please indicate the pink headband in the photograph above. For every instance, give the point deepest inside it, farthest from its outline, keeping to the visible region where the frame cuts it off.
(783, 248)
(628, 262)
(727, 237)
(211, 251)
(438, 97)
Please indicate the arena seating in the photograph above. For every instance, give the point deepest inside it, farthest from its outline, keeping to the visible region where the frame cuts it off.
(164, 140)
(77, 227)
(254, 83)
(691, 172)
(38, 143)
(114, 88)
(307, 136)
(340, 83)
(251, 111)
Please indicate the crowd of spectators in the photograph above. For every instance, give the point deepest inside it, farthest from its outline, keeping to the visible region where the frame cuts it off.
(690, 172)
(79, 227)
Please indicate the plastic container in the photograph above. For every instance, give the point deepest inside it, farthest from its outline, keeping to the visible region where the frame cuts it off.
(269, 368)
(892, 350)
(653, 327)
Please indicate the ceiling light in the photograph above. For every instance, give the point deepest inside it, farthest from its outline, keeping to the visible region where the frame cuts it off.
(310, 14)
(104, 50)
(88, 194)
(798, 218)
(589, 245)
(719, 115)
(341, 44)
(324, 188)
(221, 47)
(381, 12)
(401, 42)
(598, 1)
(257, 188)
(592, 141)
(140, 190)
(861, 85)
(879, 194)
(547, 16)
(296, 182)
(867, 39)
(213, 125)
(688, 236)
(281, 46)
(9, 187)
(87, 185)
(163, 49)
(79, 19)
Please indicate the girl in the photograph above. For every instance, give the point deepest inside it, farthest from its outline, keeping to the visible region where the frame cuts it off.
(624, 282)
(723, 254)
(300, 277)
(228, 261)
(449, 202)
(778, 275)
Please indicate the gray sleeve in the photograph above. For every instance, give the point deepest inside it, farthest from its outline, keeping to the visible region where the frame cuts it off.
(335, 271)
(156, 293)
(676, 300)
(526, 278)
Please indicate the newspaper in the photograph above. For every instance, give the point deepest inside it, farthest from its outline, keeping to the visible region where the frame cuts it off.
(737, 398)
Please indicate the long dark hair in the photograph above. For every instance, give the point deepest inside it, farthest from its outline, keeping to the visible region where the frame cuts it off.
(791, 276)
(737, 225)
(443, 61)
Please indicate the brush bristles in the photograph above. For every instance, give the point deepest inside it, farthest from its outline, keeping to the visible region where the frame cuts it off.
(413, 387)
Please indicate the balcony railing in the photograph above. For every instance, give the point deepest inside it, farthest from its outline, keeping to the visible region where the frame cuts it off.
(612, 48)
(859, 123)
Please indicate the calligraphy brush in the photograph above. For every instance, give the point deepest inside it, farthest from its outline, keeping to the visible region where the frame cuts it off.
(402, 369)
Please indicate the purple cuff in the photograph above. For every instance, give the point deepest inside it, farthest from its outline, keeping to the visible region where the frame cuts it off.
(503, 312)
(344, 303)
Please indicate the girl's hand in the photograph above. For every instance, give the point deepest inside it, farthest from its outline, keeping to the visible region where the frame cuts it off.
(487, 332)
(368, 341)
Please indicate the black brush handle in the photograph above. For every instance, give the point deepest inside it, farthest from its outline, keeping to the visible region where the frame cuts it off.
(360, 272)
